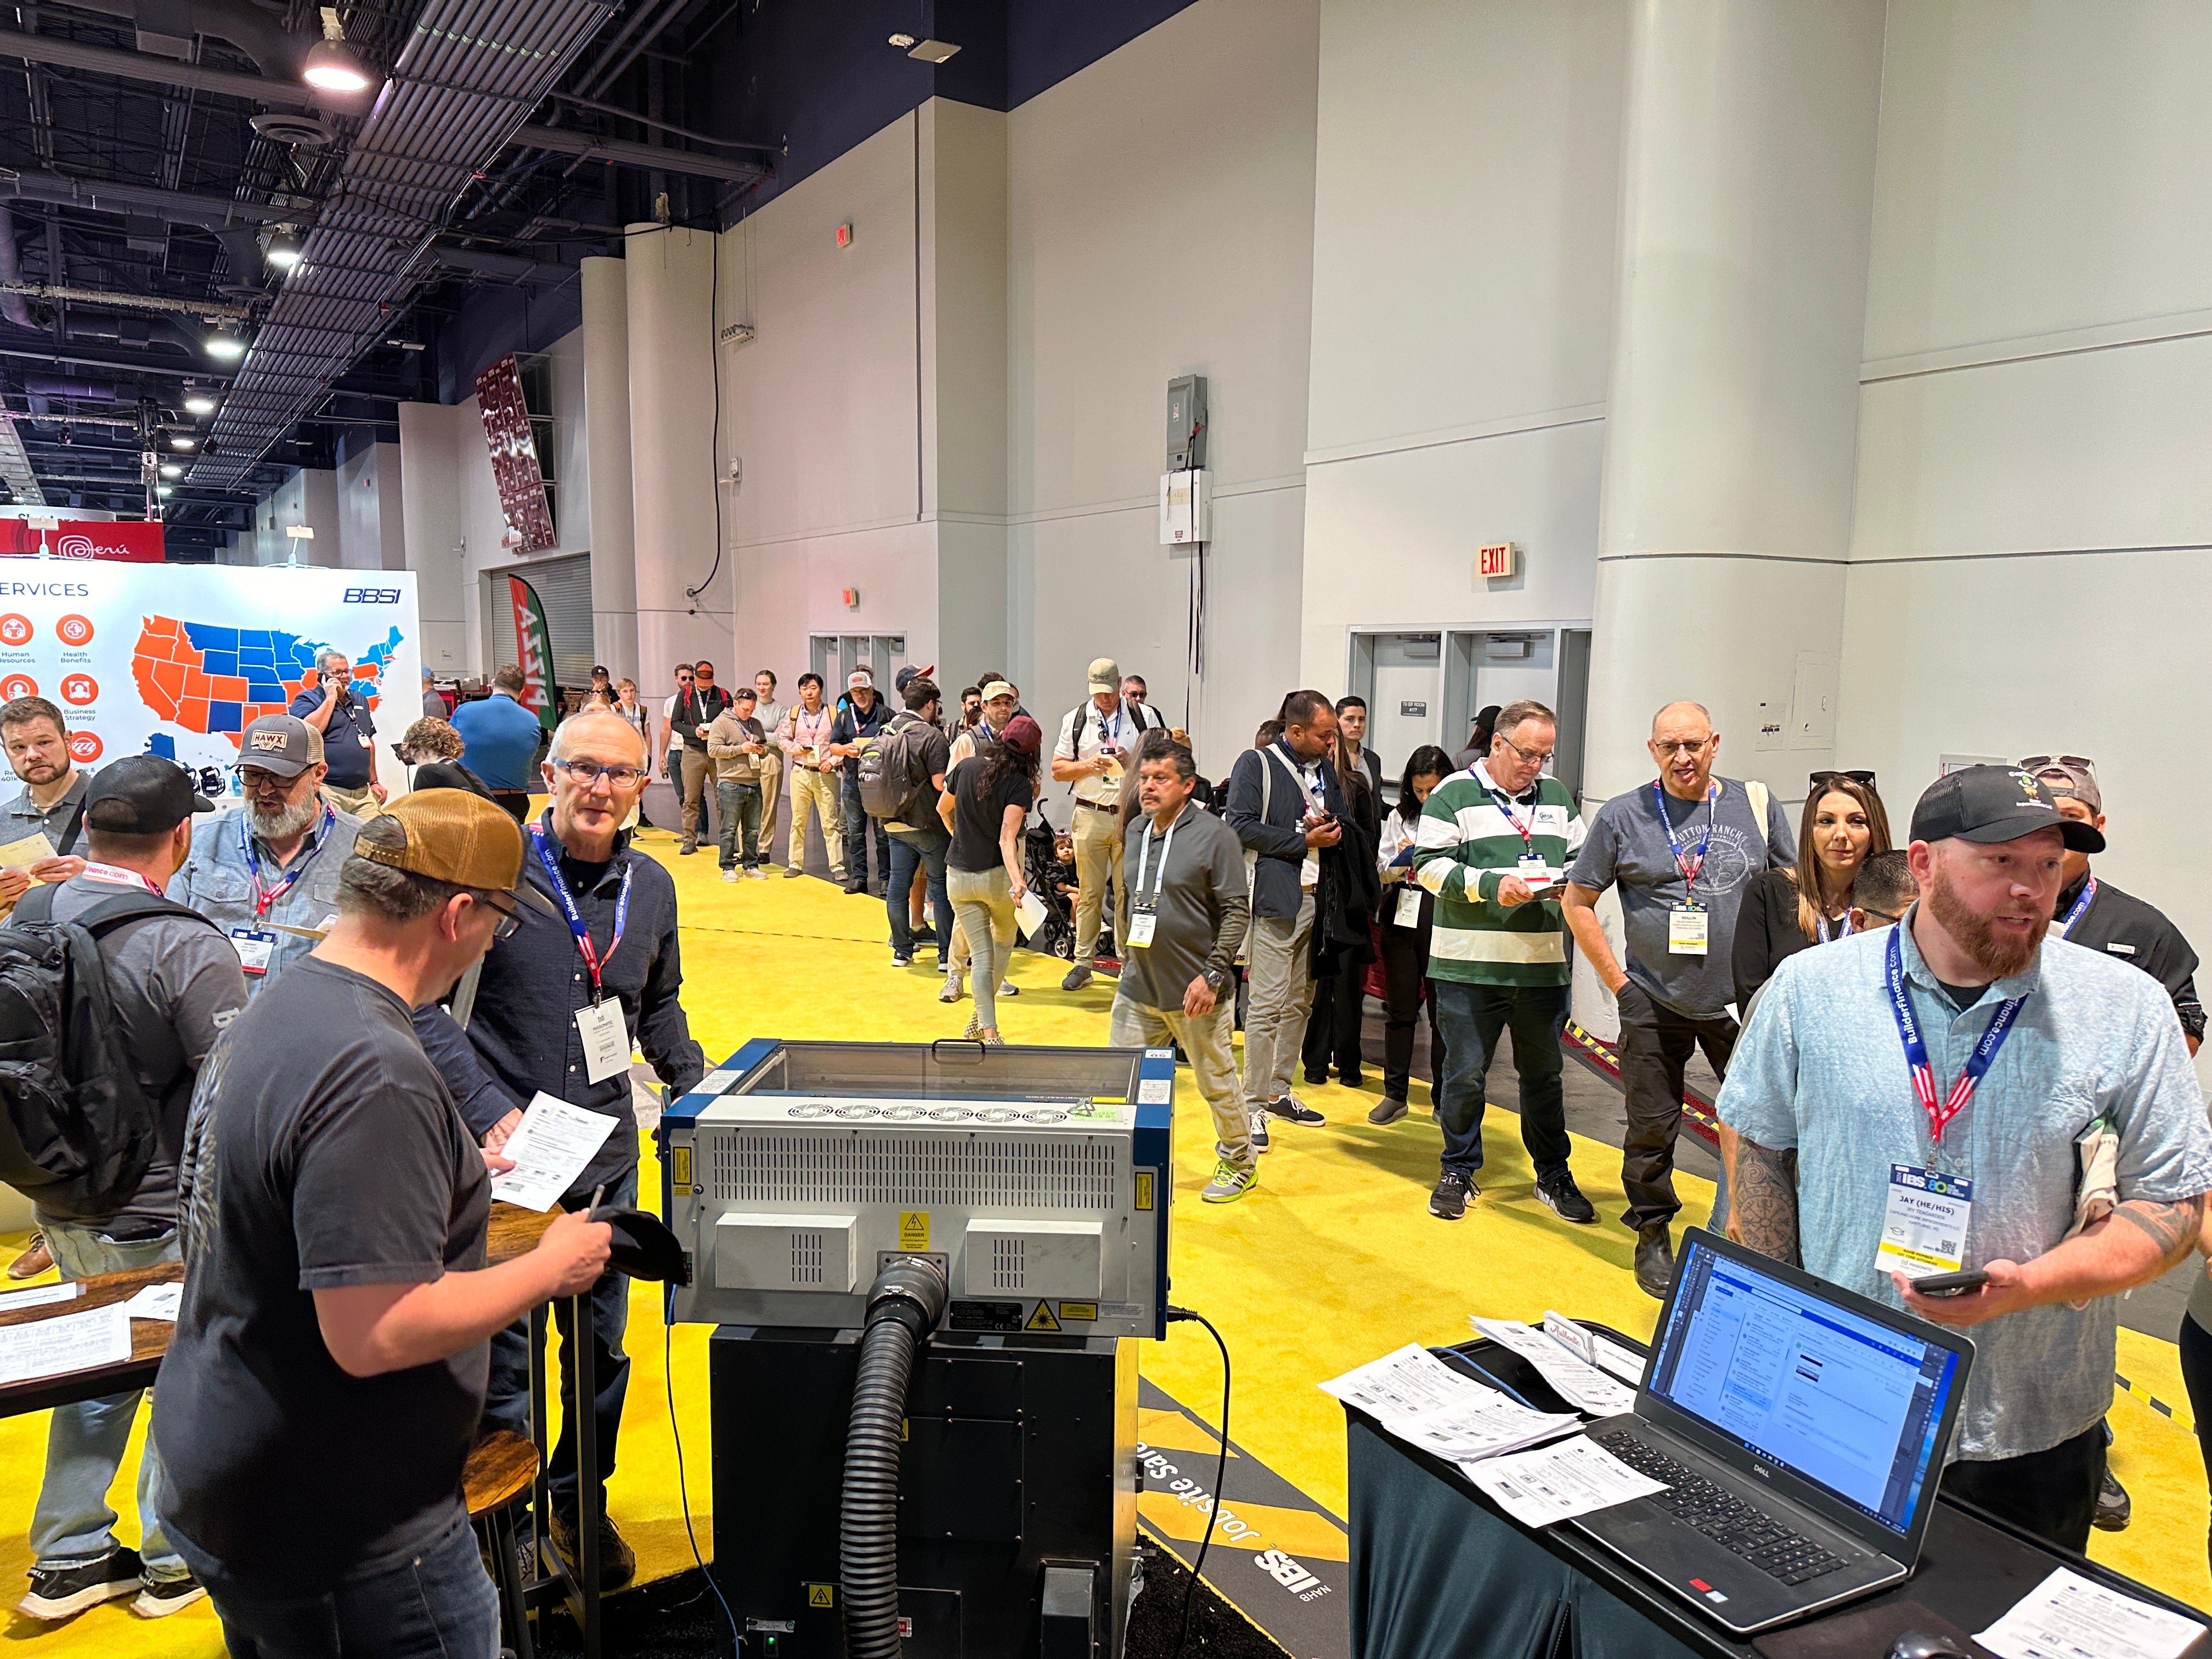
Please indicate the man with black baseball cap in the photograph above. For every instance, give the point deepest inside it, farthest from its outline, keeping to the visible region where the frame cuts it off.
(174, 983)
(1936, 1082)
(328, 1370)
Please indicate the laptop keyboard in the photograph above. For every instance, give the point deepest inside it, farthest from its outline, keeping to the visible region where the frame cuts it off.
(1741, 1528)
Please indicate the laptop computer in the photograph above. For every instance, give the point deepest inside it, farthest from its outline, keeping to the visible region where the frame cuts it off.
(1800, 1429)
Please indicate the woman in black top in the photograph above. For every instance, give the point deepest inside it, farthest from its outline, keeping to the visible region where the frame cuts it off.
(1784, 911)
(986, 802)
(1405, 946)
(1339, 1001)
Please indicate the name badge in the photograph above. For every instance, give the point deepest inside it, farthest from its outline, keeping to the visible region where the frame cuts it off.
(254, 949)
(1409, 906)
(365, 743)
(606, 1039)
(1141, 926)
(1923, 1228)
(1689, 929)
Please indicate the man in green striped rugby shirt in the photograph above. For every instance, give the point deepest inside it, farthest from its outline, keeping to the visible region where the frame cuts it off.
(1492, 843)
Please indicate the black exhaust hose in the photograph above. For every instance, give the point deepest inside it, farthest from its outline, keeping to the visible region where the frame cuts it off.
(904, 1304)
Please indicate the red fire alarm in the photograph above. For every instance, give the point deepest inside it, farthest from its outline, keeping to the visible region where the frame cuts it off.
(845, 235)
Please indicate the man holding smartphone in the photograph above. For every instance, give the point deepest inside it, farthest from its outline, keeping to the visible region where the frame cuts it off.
(1955, 1095)
(1096, 742)
(333, 707)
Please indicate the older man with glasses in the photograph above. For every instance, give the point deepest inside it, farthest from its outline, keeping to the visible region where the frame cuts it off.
(267, 872)
(558, 1010)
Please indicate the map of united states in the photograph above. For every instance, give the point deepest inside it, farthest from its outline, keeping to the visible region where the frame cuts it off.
(219, 680)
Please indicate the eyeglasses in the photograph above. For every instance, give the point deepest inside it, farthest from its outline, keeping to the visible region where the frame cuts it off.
(2037, 762)
(1819, 780)
(1532, 757)
(1681, 746)
(508, 920)
(589, 772)
(255, 781)
(1884, 914)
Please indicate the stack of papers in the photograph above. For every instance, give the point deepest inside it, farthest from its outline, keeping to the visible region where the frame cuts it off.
(1577, 1381)
(40, 1295)
(1425, 1403)
(2069, 1617)
(1556, 1483)
(1602, 1352)
(161, 1302)
(73, 1342)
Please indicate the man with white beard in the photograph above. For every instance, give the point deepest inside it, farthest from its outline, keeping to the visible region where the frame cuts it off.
(267, 872)
(1914, 1101)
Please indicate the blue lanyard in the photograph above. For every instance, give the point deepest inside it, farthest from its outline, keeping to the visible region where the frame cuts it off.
(2080, 904)
(264, 898)
(592, 960)
(1821, 923)
(1915, 1051)
(1688, 867)
(1105, 735)
(1505, 804)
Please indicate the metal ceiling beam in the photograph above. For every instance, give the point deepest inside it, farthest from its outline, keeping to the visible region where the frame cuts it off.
(620, 152)
(177, 206)
(120, 361)
(161, 72)
(213, 310)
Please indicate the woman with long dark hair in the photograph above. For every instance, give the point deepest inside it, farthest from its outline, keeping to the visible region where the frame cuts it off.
(1409, 912)
(1786, 911)
(1339, 1001)
(985, 805)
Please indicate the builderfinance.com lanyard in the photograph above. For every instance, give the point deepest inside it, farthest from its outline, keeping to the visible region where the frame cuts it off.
(2081, 908)
(1821, 923)
(1940, 1114)
(1691, 864)
(264, 898)
(593, 961)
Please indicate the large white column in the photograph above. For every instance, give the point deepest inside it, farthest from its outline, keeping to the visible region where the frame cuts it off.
(430, 515)
(1747, 201)
(607, 464)
(670, 282)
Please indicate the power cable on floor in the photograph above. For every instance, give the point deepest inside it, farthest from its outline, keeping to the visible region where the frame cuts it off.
(1221, 1475)
(683, 1492)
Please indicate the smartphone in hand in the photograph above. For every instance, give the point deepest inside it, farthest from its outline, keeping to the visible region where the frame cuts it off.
(1949, 1285)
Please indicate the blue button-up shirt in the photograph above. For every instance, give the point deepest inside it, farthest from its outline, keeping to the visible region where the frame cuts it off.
(522, 1035)
(1820, 1068)
(217, 882)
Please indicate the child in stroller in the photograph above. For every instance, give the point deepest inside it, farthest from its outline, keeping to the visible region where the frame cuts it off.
(1048, 865)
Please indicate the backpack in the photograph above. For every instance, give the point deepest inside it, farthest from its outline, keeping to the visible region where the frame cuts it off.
(77, 1131)
(890, 764)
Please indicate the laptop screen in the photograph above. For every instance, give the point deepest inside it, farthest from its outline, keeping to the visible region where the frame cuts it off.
(1803, 1382)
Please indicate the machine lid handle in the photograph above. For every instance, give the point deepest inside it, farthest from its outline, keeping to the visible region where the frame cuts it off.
(960, 1046)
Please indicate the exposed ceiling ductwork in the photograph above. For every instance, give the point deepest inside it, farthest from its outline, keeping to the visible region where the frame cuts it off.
(468, 77)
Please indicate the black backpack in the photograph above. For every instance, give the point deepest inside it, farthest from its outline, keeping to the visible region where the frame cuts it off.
(890, 768)
(77, 1131)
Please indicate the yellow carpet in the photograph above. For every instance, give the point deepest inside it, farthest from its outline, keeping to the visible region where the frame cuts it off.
(1333, 1261)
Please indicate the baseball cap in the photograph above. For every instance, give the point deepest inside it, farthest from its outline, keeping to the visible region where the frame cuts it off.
(279, 744)
(1105, 674)
(142, 795)
(1022, 735)
(997, 688)
(1993, 804)
(907, 676)
(858, 678)
(2068, 775)
(457, 837)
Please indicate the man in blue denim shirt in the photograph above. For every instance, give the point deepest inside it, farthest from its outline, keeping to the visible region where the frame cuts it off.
(526, 1034)
(275, 860)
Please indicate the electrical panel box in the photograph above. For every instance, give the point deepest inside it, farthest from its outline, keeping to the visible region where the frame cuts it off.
(1038, 1178)
(1185, 507)
(1187, 424)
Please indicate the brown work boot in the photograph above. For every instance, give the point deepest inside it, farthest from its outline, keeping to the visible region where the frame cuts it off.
(34, 1261)
(618, 1561)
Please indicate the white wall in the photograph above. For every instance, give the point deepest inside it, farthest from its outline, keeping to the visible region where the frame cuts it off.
(308, 496)
(1162, 223)
(371, 519)
(1465, 189)
(430, 437)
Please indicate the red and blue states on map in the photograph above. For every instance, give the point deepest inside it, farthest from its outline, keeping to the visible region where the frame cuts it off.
(218, 681)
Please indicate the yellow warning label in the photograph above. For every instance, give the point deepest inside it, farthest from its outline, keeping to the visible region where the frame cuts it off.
(1042, 1319)
(821, 1595)
(1079, 1310)
(913, 1229)
(679, 1166)
(903, 1426)
(1143, 1190)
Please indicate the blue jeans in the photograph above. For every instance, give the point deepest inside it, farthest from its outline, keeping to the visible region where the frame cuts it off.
(858, 824)
(437, 1605)
(86, 1441)
(506, 1405)
(1471, 1018)
(926, 847)
(741, 810)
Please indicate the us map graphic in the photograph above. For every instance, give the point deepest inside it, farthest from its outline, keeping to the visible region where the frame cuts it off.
(216, 680)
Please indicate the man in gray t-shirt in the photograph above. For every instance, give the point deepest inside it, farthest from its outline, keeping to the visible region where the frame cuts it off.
(1681, 850)
(175, 983)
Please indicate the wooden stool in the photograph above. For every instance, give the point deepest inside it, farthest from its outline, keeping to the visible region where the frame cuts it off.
(501, 1468)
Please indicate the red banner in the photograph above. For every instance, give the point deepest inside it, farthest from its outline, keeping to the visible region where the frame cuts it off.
(132, 541)
(533, 650)
(514, 456)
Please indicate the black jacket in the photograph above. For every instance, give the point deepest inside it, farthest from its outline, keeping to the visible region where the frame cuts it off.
(1767, 931)
(2123, 926)
(1276, 836)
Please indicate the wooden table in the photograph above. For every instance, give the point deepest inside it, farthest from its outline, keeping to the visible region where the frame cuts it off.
(149, 1341)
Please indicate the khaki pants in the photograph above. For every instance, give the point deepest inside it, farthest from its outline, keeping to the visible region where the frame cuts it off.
(1206, 1040)
(1097, 856)
(768, 773)
(697, 768)
(818, 790)
(1282, 996)
(359, 802)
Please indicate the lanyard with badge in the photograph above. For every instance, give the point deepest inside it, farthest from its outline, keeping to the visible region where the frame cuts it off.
(1531, 868)
(1843, 931)
(606, 1038)
(257, 945)
(1923, 1228)
(1689, 925)
(1144, 912)
(2081, 908)
(116, 873)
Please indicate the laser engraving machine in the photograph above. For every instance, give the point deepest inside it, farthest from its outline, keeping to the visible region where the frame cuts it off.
(926, 1263)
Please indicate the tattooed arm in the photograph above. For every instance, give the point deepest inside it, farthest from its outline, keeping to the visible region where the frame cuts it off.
(1762, 1196)
(2133, 1245)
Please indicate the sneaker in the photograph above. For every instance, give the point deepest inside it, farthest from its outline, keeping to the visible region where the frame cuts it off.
(618, 1561)
(730, 874)
(952, 990)
(1386, 1110)
(900, 960)
(924, 934)
(756, 873)
(1257, 1127)
(792, 873)
(68, 1587)
(2114, 1508)
(160, 1597)
(687, 849)
(973, 1032)
(1448, 1201)
(1008, 988)
(1566, 1199)
(1230, 1183)
(1291, 1107)
(1077, 977)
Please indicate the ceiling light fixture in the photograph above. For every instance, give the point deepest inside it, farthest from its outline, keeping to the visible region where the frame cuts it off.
(182, 442)
(199, 404)
(171, 470)
(332, 65)
(163, 489)
(284, 250)
(902, 41)
(227, 346)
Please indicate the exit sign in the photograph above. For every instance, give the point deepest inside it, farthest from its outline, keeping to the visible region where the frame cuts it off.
(1498, 560)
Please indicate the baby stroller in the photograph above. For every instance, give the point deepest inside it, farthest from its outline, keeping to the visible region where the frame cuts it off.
(1046, 871)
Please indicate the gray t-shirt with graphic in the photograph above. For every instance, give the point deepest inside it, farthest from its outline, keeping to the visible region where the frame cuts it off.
(1629, 845)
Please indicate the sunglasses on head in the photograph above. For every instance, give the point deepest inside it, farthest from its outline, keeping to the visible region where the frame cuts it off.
(2037, 762)
(1820, 780)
